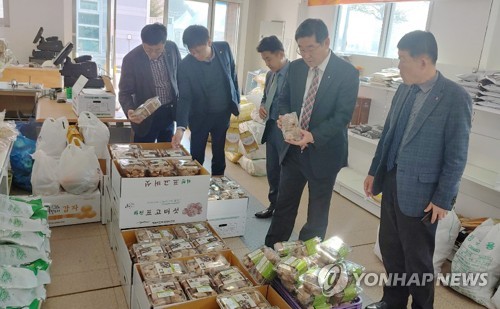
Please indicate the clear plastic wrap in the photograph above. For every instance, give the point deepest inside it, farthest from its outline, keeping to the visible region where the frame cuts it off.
(164, 270)
(192, 230)
(125, 151)
(290, 127)
(149, 153)
(178, 248)
(164, 292)
(187, 167)
(333, 249)
(244, 299)
(147, 108)
(173, 153)
(230, 279)
(153, 234)
(149, 252)
(260, 263)
(289, 270)
(160, 168)
(199, 287)
(208, 244)
(132, 168)
(205, 264)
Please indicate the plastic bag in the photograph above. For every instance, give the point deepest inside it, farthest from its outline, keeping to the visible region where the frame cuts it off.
(21, 162)
(95, 133)
(44, 178)
(78, 169)
(52, 138)
(479, 254)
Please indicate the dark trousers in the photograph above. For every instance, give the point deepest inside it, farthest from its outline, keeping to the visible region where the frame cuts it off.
(295, 173)
(274, 145)
(216, 124)
(407, 247)
(162, 128)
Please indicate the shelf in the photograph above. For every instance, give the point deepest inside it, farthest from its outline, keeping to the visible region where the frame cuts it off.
(483, 177)
(349, 184)
(486, 109)
(363, 139)
(377, 87)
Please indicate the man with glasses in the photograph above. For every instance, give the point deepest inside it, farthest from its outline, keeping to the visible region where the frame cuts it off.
(150, 70)
(322, 89)
(208, 94)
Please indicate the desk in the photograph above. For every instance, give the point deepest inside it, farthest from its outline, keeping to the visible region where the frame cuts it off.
(49, 77)
(18, 102)
(50, 108)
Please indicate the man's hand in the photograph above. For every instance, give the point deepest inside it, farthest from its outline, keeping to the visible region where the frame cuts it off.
(278, 122)
(177, 138)
(262, 113)
(368, 185)
(307, 139)
(438, 213)
(133, 117)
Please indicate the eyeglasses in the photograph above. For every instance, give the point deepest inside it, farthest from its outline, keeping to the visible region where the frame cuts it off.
(307, 50)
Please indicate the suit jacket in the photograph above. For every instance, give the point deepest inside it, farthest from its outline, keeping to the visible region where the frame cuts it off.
(432, 158)
(332, 112)
(137, 84)
(191, 107)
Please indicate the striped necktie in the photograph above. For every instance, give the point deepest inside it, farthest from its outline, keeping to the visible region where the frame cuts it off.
(308, 105)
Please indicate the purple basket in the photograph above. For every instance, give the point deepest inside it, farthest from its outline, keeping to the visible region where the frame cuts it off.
(290, 300)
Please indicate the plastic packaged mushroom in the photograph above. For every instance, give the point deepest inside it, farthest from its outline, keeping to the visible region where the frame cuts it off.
(164, 292)
(173, 153)
(160, 168)
(149, 153)
(192, 230)
(208, 244)
(178, 248)
(147, 108)
(290, 127)
(149, 252)
(297, 248)
(132, 168)
(243, 299)
(230, 279)
(187, 167)
(165, 270)
(205, 264)
(260, 263)
(333, 250)
(199, 287)
(153, 234)
(289, 270)
(125, 151)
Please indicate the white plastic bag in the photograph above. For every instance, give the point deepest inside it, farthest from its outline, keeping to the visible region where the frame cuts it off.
(79, 169)
(479, 254)
(52, 137)
(44, 177)
(253, 167)
(446, 234)
(95, 133)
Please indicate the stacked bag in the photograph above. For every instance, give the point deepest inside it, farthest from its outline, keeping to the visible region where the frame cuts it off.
(304, 268)
(67, 155)
(24, 252)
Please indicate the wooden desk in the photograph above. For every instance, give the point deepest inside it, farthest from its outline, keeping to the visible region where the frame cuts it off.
(50, 108)
(18, 102)
(49, 77)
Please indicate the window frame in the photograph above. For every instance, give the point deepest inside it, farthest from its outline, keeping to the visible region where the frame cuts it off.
(5, 20)
(389, 9)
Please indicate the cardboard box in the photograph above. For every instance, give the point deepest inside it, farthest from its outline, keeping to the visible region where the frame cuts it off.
(228, 217)
(97, 101)
(159, 200)
(67, 209)
(140, 298)
(124, 239)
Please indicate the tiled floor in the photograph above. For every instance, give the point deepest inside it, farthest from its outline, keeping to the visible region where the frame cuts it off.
(84, 273)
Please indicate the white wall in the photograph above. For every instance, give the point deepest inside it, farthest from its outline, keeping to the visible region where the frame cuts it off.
(27, 16)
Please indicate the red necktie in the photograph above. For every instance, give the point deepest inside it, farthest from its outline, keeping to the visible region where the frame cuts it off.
(309, 101)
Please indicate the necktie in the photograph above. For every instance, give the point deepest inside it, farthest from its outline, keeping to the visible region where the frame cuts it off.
(270, 94)
(401, 123)
(308, 105)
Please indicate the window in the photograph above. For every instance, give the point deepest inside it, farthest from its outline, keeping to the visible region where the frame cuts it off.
(4, 13)
(375, 29)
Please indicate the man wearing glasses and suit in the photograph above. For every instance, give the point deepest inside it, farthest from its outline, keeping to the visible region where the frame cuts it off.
(322, 89)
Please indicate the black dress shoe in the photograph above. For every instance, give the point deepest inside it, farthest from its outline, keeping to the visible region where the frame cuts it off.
(378, 305)
(266, 213)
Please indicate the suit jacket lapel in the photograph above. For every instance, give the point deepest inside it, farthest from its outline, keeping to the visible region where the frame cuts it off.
(301, 77)
(168, 55)
(148, 76)
(430, 104)
(326, 80)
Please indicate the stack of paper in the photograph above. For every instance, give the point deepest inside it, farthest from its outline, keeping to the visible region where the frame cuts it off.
(489, 91)
(470, 82)
(385, 77)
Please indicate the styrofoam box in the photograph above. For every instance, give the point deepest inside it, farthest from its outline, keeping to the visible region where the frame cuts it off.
(228, 217)
(97, 101)
(159, 200)
(124, 239)
(66, 208)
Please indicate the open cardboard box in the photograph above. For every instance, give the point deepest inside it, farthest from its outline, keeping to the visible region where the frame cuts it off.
(123, 240)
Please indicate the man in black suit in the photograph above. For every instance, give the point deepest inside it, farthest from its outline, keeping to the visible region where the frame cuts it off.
(150, 70)
(272, 52)
(322, 89)
(208, 94)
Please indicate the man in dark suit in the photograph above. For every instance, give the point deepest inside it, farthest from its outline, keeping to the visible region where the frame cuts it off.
(208, 94)
(273, 54)
(150, 70)
(322, 89)
(418, 165)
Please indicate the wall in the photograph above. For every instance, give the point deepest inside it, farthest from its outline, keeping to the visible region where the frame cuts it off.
(27, 16)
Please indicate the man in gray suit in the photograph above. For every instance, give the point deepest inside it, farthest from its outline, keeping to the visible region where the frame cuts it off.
(418, 165)
(322, 89)
(150, 70)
